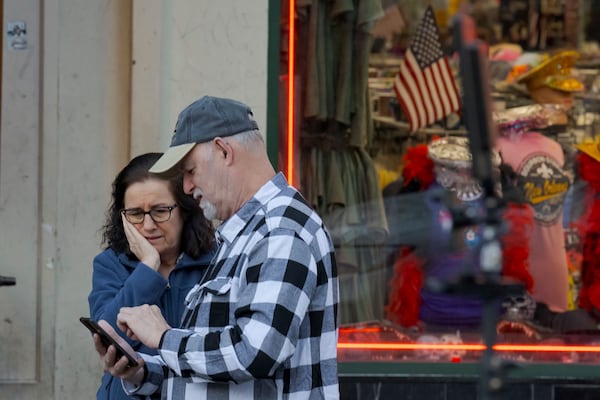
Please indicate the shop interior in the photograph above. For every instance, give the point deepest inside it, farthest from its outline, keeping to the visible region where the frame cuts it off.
(442, 232)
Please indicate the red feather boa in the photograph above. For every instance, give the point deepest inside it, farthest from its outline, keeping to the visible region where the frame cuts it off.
(589, 294)
(405, 287)
(588, 170)
(417, 165)
(515, 243)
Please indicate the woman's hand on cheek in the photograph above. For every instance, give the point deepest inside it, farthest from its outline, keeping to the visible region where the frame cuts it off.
(141, 247)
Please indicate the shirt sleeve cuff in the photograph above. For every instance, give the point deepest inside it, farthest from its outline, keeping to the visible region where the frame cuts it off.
(170, 346)
(153, 378)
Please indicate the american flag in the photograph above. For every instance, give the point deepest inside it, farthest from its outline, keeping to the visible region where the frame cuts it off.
(424, 85)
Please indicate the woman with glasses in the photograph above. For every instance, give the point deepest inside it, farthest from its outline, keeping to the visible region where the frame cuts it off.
(158, 245)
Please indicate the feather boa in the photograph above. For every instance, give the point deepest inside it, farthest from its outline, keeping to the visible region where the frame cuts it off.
(589, 295)
(418, 166)
(405, 299)
(588, 170)
(515, 243)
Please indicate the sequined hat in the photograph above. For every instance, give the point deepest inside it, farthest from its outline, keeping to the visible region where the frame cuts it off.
(518, 120)
(452, 158)
(454, 152)
(553, 72)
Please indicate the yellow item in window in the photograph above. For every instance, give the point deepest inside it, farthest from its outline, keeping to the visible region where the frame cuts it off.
(592, 149)
(572, 297)
(386, 176)
(574, 259)
(553, 72)
(515, 72)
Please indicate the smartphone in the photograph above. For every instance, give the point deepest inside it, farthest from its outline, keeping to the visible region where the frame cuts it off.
(107, 340)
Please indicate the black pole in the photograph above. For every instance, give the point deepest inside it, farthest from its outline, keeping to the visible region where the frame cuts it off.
(488, 283)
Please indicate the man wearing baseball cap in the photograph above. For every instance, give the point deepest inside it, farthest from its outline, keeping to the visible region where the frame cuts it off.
(262, 324)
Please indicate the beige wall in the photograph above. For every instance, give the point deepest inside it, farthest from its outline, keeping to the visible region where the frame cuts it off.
(112, 77)
(92, 126)
(183, 50)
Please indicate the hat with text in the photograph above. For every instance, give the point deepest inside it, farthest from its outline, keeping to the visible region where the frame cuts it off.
(202, 121)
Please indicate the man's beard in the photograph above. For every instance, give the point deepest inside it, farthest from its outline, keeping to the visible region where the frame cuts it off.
(208, 208)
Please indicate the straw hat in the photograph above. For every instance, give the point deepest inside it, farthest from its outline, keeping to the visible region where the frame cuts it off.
(554, 72)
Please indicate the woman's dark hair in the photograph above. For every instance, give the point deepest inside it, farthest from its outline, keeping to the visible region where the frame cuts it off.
(197, 233)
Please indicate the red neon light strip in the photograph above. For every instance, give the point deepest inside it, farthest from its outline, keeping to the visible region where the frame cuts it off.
(469, 347)
(409, 346)
(290, 102)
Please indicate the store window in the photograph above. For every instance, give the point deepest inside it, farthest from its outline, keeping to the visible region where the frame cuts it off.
(373, 132)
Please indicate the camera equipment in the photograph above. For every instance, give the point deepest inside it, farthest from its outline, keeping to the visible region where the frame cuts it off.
(487, 282)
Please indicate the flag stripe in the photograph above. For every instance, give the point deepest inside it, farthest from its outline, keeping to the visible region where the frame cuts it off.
(411, 83)
(434, 88)
(450, 85)
(443, 90)
(408, 107)
(421, 88)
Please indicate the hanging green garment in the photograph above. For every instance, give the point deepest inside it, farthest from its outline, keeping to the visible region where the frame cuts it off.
(337, 62)
(338, 177)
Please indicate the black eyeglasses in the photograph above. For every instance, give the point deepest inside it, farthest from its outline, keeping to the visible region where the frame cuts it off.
(158, 214)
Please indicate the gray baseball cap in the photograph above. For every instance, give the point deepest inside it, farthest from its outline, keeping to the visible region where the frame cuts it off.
(203, 120)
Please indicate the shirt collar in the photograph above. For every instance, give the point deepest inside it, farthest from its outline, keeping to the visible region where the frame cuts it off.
(229, 229)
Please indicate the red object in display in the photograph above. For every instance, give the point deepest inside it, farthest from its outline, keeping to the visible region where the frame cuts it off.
(589, 295)
(515, 244)
(417, 166)
(404, 302)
